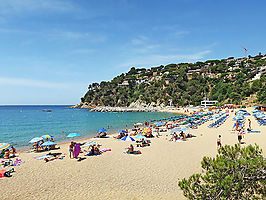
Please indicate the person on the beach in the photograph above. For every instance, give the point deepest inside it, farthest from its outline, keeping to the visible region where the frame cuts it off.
(97, 150)
(130, 149)
(237, 123)
(219, 143)
(249, 124)
(7, 153)
(71, 149)
(13, 150)
(239, 136)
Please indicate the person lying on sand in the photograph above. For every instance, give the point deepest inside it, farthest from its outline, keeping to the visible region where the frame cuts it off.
(130, 149)
(55, 156)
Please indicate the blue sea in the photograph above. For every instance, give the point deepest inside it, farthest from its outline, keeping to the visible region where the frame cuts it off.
(19, 124)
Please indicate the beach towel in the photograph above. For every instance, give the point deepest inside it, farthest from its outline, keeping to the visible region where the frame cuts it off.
(135, 153)
(2, 173)
(42, 157)
(104, 150)
(76, 150)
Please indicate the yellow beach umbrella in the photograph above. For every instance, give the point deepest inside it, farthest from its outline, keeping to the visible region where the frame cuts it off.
(147, 130)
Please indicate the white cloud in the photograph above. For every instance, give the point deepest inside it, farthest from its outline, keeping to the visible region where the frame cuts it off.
(72, 35)
(83, 51)
(22, 6)
(181, 33)
(59, 34)
(156, 60)
(22, 82)
(140, 40)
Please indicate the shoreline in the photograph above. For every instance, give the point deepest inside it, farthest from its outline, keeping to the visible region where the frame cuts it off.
(62, 142)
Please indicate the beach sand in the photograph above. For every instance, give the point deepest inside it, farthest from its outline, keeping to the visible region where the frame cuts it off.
(114, 175)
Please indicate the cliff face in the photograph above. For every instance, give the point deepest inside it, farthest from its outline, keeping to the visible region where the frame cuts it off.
(227, 80)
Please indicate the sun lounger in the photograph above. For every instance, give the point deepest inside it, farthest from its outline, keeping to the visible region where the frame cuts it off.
(253, 131)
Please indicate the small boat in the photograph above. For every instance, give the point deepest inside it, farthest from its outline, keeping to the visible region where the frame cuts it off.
(46, 110)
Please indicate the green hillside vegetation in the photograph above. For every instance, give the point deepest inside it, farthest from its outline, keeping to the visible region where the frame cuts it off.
(227, 80)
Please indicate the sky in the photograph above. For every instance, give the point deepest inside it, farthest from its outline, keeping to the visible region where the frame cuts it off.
(51, 50)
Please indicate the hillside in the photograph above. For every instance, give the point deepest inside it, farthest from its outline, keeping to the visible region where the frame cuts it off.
(228, 81)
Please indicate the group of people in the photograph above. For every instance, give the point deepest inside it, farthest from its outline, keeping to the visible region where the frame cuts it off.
(94, 150)
(75, 150)
(240, 133)
(7, 153)
(37, 146)
(181, 136)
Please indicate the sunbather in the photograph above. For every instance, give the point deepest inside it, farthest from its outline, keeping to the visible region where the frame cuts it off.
(130, 149)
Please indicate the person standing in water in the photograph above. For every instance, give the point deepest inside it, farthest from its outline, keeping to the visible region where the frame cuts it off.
(219, 143)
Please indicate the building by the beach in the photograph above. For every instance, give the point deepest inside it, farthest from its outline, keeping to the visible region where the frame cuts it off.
(208, 102)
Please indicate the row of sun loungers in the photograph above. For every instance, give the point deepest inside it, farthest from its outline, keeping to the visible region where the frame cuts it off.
(218, 122)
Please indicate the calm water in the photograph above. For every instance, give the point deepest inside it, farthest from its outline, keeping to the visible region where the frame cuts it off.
(19, 124)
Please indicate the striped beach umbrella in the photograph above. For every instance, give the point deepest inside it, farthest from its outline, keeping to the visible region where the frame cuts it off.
(128, 138)
(4, 146)
(47, 136)
(88, 144)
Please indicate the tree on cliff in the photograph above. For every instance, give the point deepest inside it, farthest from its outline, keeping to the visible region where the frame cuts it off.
(236, 173)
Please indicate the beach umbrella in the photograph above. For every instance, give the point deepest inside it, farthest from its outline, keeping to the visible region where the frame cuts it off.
(73, 135)
(121, 131)
(147, 130)
(176, 129)
(47, 136)
(140, 137)
(184, 129)
(36, 139)
(170, 122)
(238, 117)
(160, 124)
(128, 138)
(88, 144)
(101, 130)
(4, 146)
(48, 143)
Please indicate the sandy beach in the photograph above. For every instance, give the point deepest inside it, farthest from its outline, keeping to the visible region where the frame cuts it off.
(114, 175)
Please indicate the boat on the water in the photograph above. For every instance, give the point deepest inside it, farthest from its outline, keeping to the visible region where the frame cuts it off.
(46, 110)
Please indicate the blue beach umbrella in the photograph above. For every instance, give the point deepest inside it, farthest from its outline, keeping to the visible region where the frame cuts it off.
(128, 138)
(73, 135)
(121, 131)
(101, 130)
(176, 129)
(160, 124)
(140, 137)
(184, 129)
(48, 143)
(36, 139)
